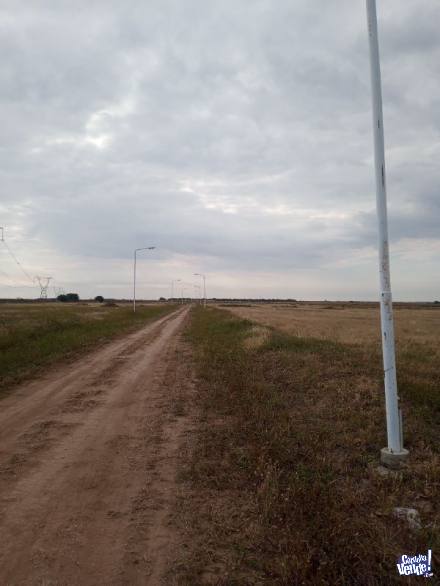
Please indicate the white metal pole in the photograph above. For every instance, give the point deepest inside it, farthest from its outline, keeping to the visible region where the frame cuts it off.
(197, 289)
(134, 282)
(202, 276)
(134, 273)
(394, 452)
(172, 286)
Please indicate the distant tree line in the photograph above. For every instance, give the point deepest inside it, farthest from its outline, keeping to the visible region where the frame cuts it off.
(68, 297)
(250, 300)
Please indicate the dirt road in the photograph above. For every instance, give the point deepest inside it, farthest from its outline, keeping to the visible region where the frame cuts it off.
(88, 456)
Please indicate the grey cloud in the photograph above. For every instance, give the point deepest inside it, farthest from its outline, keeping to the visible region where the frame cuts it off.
(158, 120)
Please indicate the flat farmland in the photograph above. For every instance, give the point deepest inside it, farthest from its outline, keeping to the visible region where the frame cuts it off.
(357, 327)
(285, 472)
(35, 335)
(356, 324)
(226, 445)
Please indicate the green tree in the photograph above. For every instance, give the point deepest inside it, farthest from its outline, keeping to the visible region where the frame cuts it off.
(72, 297)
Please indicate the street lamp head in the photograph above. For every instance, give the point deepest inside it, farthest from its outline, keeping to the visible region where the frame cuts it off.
(145, 248)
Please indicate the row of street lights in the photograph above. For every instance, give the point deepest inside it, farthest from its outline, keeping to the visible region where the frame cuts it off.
(184, 287)
(394, 453)
(202, 276)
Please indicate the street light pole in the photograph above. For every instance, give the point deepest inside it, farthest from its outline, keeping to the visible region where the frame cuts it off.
(199, 289)
(134, 273)
(182, 291)
(394, 453)
(204, 286)
(172, 287)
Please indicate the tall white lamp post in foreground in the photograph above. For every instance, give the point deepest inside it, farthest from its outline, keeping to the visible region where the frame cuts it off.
(394, 453)
(134, 273)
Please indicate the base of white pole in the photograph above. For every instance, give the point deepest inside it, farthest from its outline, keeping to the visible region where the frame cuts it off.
(392, 459)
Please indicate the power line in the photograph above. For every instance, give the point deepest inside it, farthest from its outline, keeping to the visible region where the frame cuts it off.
(27, 275)
(18, 286)
(43, 282)
(7, 276)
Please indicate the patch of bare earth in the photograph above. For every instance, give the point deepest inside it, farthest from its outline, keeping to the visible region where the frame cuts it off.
(88, 464)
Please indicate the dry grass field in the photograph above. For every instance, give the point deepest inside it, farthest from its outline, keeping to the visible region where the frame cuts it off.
(352, 324)
(34, 335)
(358, 326)
(284, 474)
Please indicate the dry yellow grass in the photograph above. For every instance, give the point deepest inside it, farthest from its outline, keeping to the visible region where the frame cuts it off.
(283, 485)
(341, 323)
(358, 326)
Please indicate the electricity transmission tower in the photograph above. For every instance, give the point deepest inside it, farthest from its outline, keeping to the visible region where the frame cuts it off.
(43, 282)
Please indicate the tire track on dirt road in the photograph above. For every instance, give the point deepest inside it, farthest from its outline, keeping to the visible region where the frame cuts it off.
(88, 462)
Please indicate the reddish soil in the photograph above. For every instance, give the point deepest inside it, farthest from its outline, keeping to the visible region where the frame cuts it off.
(88, 460)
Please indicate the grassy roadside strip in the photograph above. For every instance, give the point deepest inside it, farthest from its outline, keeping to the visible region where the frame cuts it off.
(283, 481)
(26, 345)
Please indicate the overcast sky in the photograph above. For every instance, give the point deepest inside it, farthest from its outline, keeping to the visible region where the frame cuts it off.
(234, 135)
